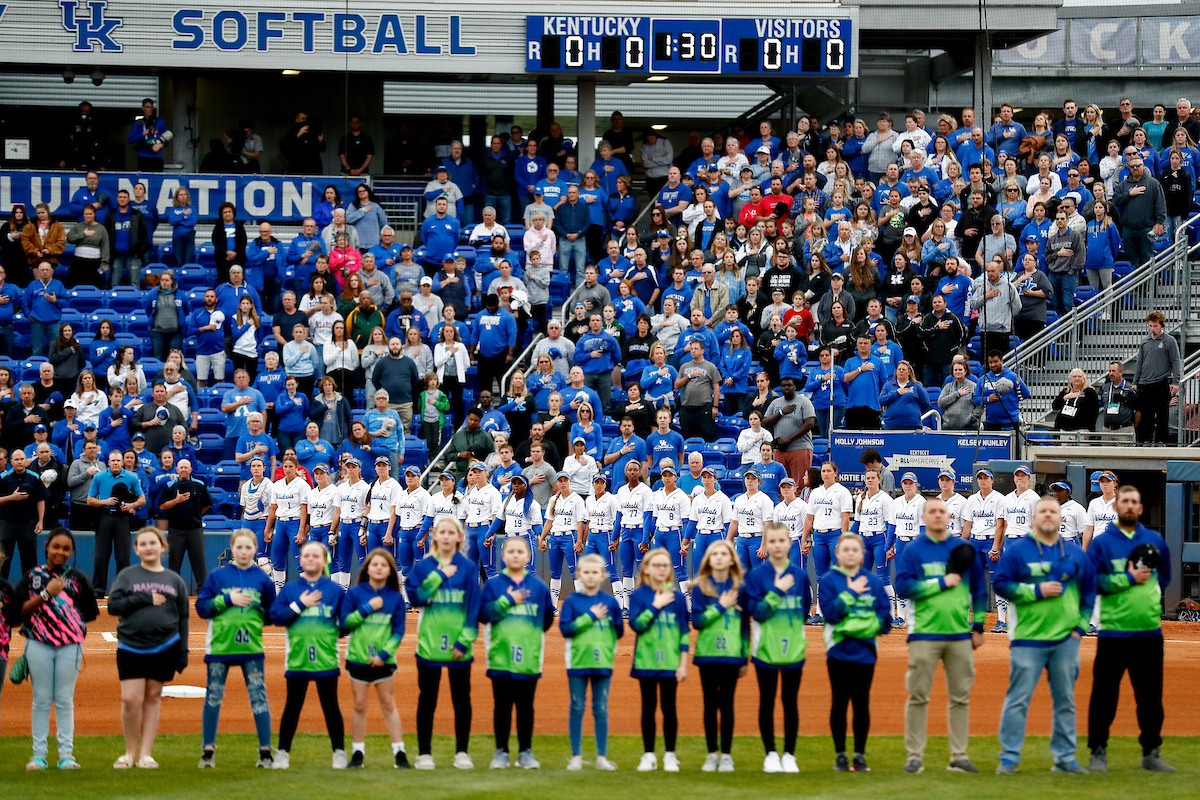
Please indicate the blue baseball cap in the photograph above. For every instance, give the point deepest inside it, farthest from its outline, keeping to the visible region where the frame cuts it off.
(1064, 485)
(258, 459)
(39, 428)
(412, 470)
(519, 477)
(752, 473)
(323, 467)
(710, 470)
(383, 460)
(447, 474)
(353, 462)
(1023, 468)
(948, 473)
(985, 471)
(562, 473)
(478, 465)
(670, 469)
(791, 481)
(1107, 474)
(601, 476)
(909, 476)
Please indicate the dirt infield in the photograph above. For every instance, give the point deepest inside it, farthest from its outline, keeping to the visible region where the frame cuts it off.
(97, 704)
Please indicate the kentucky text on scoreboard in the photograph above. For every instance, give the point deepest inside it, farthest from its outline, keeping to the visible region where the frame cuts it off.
(763, 46)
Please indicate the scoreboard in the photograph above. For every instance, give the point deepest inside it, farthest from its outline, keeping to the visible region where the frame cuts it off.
(794, 47)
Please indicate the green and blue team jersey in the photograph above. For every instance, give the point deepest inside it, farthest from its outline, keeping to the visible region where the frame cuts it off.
(777, 627)
(449, 610)
(853, 620)
(372, 633)
(722, 634)
(590, 641)
(1128, 609)
(941, 613)
(515, 633)
(662, 634)
(1046, 621)
(235, 633)
(312, 633)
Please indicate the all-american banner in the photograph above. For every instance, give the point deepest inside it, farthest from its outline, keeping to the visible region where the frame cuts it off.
(925, 453)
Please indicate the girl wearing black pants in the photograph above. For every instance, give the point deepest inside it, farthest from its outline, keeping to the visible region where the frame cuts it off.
(722, 640)
(851, 660)
(310, 607)
(658, 615)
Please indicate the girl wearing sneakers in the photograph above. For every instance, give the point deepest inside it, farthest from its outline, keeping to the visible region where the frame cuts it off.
(373, 615)
(56, 605)
(235, 599)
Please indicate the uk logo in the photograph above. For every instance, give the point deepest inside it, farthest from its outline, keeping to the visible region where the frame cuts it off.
(90, 29)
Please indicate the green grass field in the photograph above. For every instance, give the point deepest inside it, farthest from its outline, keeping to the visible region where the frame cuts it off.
(310, 775)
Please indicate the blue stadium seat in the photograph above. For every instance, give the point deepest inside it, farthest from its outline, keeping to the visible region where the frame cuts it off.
(212, 443)
(217, 522)
(516, 232)
(74, 318)
(137, 324)
(225, 475)
(212, 422)
(1083, 294)
(155, 268)
(732, 486)
(725, 445)
(192, 276)
(693, 443)
(225, 502)
(86, 299)
(21, 324)
(125, 299)
(164, 253)
(206, 254)
(733, 460)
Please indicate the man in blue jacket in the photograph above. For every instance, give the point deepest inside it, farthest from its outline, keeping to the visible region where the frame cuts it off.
(462, 174)
(263, 260)
(864, 379)
(495, 342)
(90, 195)
(1000, 391)
(439, 233)
(208, 324)
(302, 253)
(597, 353)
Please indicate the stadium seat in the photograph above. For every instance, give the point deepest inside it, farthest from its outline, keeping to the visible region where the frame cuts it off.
(217, 522)
(164, 253)
(212, 422)
(211, 443)
(225, 475)
(192, 276)
(206, 254)
(137, 324)
(693, 443)
(1083, 294)
(86, 299)
(74, 318)
(125, 299)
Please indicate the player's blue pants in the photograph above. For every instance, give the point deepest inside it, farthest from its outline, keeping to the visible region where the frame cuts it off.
(982, 548)
(320, 534)
(875, 554)
(901, 545)
(798, 559)
(406, 548)
(747, 548)
(375, 533)
(824, 550)
(597, 542)
(703, 542)
(630, 555)
(560, 549)
(672, 542)
(283, 541)
(481, 555)
(258, 526)
(347, 543)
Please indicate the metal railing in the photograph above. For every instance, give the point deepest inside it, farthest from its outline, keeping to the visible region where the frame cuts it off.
(1109, 326)
(438, 460)
(937, 418)
(402, 200)
(1185, 407)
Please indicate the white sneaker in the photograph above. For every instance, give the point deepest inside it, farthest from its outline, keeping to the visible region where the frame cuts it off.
(462, 760)
(424, 762)
(789, 764)
(525, 760)
(649, 763)
(604, 765)
(499, 761)
(339, 759)
(771, 763)
(281, 760)
(670, 762)
(710, 763)
(575, 764)
(726, 764)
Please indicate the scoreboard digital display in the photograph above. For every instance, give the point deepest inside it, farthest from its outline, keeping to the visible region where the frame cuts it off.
(730, 47)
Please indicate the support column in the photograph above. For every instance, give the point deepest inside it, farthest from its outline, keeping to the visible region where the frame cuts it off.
(545, 104)
(981, 96)
(586, 92)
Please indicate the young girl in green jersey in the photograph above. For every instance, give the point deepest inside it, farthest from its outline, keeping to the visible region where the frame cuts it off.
(591, 623)
(658, 615)
(777, 600)
(373, 615)
(310, 607)
(235, 599)
(445, 586)
(722, 641)
(517, 609)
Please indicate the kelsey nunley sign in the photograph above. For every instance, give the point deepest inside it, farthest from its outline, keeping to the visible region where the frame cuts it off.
(269, 198)
(923, 452)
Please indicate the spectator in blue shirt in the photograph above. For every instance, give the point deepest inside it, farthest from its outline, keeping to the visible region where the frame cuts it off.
(608, 168)
(597, 354)
(956, 288)
(385, 428)
(237, 405)
(826, 386)
(625, 448)
(1006, 135)
(302, 253)
(207, 324)
(663, 442)
(439, 234)
(527, 171)
(45, 298)
(903, 400)
(255, 442)
(863, 375)
(312, 449)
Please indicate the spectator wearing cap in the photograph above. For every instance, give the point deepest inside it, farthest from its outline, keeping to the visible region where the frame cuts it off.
(386, 427)
(41, 435)
(453, 286)
(67, 429)
(1066, 253)
(1143, 210)
(79, 481)
(442, 186)
(581, 467)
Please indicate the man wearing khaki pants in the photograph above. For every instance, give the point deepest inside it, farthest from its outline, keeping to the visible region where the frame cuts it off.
(947, 626)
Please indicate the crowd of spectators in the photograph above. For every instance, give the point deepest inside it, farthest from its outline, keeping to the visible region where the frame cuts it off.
(834, 277)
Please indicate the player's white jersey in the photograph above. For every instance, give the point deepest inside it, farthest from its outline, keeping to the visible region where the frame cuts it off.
(411, 506)
(982, 512)
(382, 500)
(1100, 512)
(483, 504)
(565, 514)
(826, 506)
(518, 521)
(352, 500)
(752, 513)
(289, 496)
(670, 510)
(955, 507)
(256, 500)
(906, 516)
(792, 516)
(1074, 518)
(320, 503)
(1018, 513)
(633, 504)
(873, 513)
(601, 512)
(444, 505)
(712, 514)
